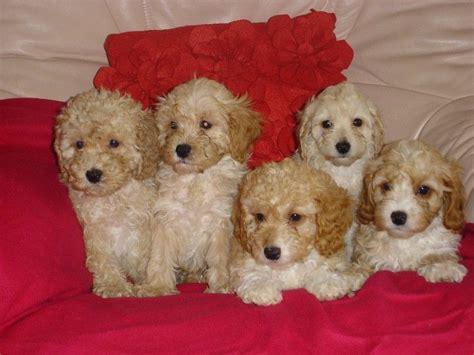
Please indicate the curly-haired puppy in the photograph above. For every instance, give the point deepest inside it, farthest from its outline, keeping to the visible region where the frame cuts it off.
(290, 221)
(205, 134)
(340, 131)
(107, 148)
(412, 211)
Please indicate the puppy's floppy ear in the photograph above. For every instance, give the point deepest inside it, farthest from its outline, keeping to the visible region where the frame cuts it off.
(164, 108)
(304, 128)
(148, 145)
(453, 198)
(238, 220)
(335, 215)
(58, 137)
(367, 205)
(378, 130)
(244, 129)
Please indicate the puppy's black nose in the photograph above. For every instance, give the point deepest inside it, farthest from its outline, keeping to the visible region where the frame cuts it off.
(399, 218)
(94, 175)
(272, 253)
(183, 150)
(343, 147)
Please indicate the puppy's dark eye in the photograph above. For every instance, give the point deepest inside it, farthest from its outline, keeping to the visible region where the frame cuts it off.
(205, 124)
(260, 217)
(295, 217)
(423, 190)
(357, 122)
(326, 124)
(173, 125)
(79, 144)
(386, 186)
(114, 143)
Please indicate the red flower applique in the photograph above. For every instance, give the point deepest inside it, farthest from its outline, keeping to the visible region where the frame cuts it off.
(146, 72)
(308, 52)
(226, 57)
(265, 55)
(276, 142)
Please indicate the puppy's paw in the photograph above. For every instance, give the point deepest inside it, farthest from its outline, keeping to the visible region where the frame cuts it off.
(331, 288)
(113, 290)
(443, 272)
(220, 289)
(154, 291)
(262, 295)
(356, 278)
(217, 281)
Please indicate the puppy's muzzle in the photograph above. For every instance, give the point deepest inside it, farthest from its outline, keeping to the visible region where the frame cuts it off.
(183, 150)
(343, 147)
(94, 175)
(399, 218)
(272, 253)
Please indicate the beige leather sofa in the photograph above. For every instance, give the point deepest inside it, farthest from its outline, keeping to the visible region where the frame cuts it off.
(415, 58)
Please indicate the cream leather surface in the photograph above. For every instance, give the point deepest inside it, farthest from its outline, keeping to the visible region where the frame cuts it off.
(414, 58)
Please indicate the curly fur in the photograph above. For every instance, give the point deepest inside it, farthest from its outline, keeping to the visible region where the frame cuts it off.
(196, 192)
(340, 105)
(311, 244)
(234, 125)
(412, 178)
(114, 211)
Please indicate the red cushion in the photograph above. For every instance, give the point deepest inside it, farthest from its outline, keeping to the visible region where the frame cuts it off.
(280, 64)
(46, 305)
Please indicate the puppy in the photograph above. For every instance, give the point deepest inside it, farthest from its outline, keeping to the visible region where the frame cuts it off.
(107, 149)
(340, 131)
(290, 221)
(412, 211)
(205, 135)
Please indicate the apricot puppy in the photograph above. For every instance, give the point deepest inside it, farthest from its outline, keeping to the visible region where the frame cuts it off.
(205, 135)
(290, 221)
(107, 148)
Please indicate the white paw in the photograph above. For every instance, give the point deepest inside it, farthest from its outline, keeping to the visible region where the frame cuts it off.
(356, 278)
(262, 295)
(443, 272)
(331, 288)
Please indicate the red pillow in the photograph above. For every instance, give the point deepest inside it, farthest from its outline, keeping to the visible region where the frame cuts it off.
(280, 64)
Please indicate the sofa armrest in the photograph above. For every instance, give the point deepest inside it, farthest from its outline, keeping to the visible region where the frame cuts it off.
(451, 129)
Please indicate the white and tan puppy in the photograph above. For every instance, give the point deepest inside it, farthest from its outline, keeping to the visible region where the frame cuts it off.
(412, 213)
(290, 221)
(205, 134)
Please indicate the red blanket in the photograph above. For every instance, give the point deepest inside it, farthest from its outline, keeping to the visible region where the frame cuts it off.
(46, 305)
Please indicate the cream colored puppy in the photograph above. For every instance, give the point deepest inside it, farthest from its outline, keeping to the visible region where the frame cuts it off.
(340, 131)
(290, 221)
(412, 213)
(205, 134)
(107, 148)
